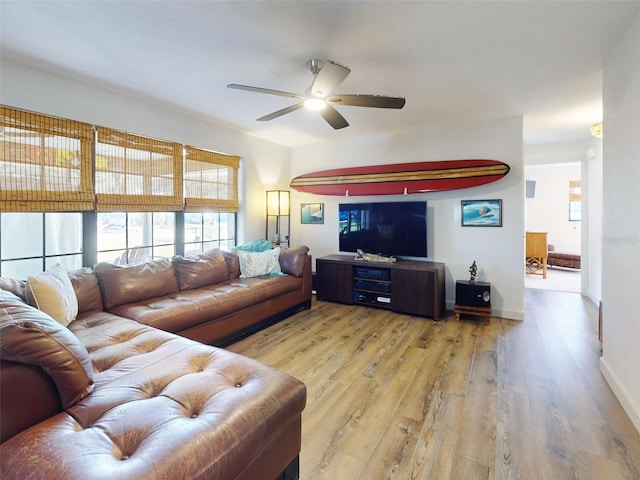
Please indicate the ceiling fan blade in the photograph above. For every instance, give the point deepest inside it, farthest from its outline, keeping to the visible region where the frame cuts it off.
(328, 78)
(279, 113)
(376, 101)
(264, 90)
(333, 117)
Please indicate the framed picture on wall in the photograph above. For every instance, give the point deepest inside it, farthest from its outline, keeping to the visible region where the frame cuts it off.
(312, 213)
(481, 213)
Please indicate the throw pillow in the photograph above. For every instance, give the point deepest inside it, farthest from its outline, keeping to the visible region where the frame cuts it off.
(254, 264)
(255, 246)
(51, 292)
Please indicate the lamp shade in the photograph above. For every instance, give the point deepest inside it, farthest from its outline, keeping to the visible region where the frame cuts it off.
(277, 202)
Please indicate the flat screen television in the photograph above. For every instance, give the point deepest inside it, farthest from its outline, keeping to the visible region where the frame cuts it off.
(396, 229)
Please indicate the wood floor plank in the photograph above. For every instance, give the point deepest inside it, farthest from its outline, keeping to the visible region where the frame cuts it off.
(394, 449)
(434, 453)
(480, 405)
(392, 396)
(458, 368)
(552, 430)
(516, 452)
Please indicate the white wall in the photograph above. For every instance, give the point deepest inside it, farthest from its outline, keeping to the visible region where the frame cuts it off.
(556, 152)
(499, 252)
(263, 164)
(592, 222)
(548, 210)
(621, 219)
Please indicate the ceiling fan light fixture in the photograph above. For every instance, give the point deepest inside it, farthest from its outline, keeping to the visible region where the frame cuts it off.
(315, 104)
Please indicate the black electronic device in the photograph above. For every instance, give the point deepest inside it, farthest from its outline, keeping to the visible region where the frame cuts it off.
(396, 229)
(372, 286)
(371, 298)
(473, 294)
(373, 273)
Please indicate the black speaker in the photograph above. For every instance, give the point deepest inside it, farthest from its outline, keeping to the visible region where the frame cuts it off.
(473, 294)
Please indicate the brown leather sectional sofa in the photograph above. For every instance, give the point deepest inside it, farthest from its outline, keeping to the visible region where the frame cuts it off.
(116, 394)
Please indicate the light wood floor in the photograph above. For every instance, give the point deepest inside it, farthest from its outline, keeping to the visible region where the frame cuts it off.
(394, 396)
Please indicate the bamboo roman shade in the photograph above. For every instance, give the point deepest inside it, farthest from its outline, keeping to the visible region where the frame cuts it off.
(210, 181)
(46, 163)
(54, 164)
(137, 174)
(575, 191)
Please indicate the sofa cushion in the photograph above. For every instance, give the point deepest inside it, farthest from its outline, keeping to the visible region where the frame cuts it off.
(198, 413)
(85, 284)
(209, 303)
(233, 264)
(122, 284)
(17, 287)
(51, 291)
(31, 337)
(254, 264)
(292, 260)
(204, 269)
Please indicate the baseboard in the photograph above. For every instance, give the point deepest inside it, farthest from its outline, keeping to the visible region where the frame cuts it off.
(629, 406)
(594, 299)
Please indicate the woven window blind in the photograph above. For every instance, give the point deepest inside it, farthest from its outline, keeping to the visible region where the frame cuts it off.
(137, 174)
(45, 163)
(575, 191)
(210, 181)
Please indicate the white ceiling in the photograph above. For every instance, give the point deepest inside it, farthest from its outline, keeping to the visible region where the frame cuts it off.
(454, 62)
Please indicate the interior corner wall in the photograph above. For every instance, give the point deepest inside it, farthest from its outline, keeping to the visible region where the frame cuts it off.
(262, 163)
(498, 251)
(621, 221)
(592, 230)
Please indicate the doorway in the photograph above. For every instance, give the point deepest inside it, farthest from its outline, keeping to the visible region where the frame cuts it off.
(553, 204)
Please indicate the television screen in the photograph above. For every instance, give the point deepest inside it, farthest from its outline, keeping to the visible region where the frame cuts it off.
(386, 228)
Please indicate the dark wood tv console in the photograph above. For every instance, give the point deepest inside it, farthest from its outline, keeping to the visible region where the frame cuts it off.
(407, 286)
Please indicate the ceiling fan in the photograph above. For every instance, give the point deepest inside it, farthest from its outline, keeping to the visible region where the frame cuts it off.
(328, 75)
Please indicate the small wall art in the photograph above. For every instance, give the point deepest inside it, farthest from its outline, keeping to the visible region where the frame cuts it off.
(312, 213)
(481, 213)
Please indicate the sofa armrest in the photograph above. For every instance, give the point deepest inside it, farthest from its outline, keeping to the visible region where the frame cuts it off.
(27, 396)
(307, 280)
(292, 260)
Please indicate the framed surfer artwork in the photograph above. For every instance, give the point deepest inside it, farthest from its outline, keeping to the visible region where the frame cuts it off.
(312, 213)
(481, 213)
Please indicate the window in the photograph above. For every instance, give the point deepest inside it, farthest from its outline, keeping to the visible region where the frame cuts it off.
(32, 242)
(211, 200)
(575, 201)
(135, 173)
(130, 237)
(204, 231)
(210, 181)
(76, 194)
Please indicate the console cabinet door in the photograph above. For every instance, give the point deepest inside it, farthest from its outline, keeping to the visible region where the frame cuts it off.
(412, 292)
(334, 282)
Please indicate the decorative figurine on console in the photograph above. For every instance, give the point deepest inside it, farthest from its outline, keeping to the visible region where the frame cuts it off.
(373, 257)
(473, 270)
